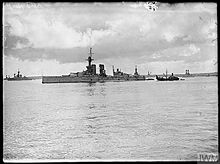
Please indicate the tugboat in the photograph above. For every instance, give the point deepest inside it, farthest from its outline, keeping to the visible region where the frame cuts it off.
(17, 77)
(165, 78)
(91, 76)
(149, 78)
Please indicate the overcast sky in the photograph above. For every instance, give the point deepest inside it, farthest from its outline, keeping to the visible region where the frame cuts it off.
(54, 38)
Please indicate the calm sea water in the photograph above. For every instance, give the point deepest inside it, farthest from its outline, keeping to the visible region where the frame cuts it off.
(139, 120)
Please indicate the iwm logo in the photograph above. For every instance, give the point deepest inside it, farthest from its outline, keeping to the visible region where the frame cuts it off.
(207, 157)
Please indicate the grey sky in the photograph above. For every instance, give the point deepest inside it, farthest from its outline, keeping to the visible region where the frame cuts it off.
(121, 34)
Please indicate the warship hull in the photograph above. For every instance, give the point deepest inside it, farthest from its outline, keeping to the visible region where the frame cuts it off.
(18, 79)
(87, 79)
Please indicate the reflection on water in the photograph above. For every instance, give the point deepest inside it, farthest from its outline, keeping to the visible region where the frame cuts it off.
(94, 116)
(94, 88)
(128, 120)
(91, 89)
(91, 106)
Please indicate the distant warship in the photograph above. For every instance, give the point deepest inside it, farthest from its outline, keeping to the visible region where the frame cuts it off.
(90, 75)
(17, 77)
(187, 74)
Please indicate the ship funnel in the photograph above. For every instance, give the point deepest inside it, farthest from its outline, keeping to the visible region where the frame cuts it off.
(113, 70)
(18, 72)
(135, 71)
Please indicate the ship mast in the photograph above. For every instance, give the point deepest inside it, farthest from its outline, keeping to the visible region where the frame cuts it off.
(90, 56)
(166, 73)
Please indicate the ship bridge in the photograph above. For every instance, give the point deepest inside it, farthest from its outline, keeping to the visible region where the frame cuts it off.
(91, 68)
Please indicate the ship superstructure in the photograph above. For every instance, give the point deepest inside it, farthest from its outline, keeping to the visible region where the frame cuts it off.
(90, 75)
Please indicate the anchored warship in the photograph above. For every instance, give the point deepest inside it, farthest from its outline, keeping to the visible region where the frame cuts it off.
(90, 75)
(17, 77)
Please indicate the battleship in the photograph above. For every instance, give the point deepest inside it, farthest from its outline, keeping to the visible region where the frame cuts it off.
(17, 77)
(90, 75)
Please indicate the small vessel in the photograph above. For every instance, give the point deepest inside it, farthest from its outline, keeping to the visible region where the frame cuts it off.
(149, 78)
(166, 78)
(17, 77)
